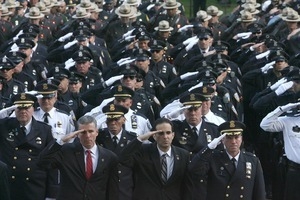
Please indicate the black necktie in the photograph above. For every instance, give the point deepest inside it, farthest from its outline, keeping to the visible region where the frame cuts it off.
(164, 168)
(23, 130)
(115, 141)
(46, 117)
(233, 160)
(195, 131)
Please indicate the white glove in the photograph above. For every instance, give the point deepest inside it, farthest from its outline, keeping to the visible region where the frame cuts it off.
(32, 92)
(185, 28)
(128, 33)
(129, 38)
(196, 86)
(69, 63)
(5, 112)
(17, 36)
(121, 60)
(63, 38)
(213, 144)
(150, 6)
(268, 66)
(191, 44)
(188, 74)
(127, 61)
(176, 113)
(69, 44)
(278, 83)
(265, 5)
(284, 87)
(113, 79)
(187, 41)
(262, 55)
(289, 106)
(244, 35)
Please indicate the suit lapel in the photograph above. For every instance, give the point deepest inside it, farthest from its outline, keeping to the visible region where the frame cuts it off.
(154, 154)
(176, 164)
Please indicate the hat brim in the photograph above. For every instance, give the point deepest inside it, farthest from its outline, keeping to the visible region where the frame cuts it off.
(34, 17)
(164, 30)
(243, 20)
(81, 17)
(117, 11)
(220, 12)
(172, 7)
(253, 13)
(290, 20)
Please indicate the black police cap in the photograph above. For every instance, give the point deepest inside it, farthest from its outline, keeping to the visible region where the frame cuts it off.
(113, 111)
(16, 56)
(76, 77)
(23, 100)
(59, 73)
(6, 63)
(142, 54)
(46, 88)
(157, 45)
(120, 91)
(232, 128)
(192, 99)
(25, 43)
(82, 55)
(129, 70)
(204, 33)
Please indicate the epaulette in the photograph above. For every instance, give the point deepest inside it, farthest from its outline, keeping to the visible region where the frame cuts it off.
(132, 133)
(139, 114)
(249, 153)
(62, 111)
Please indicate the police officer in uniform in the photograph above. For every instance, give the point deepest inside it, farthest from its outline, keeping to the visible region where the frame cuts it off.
(18, 58)
(115, 138)
(60, 121)
(11, 86)
(231, 173)
(22, 139)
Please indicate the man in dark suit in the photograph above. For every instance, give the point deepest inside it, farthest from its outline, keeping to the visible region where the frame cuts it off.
(115, 138)
(159, 168)
(88, 171)
(232, 173)
(4, 184)
(22, 138)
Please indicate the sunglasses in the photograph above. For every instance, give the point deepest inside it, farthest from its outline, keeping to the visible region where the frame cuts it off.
(203, 39)
(155, 51)
(131, 77)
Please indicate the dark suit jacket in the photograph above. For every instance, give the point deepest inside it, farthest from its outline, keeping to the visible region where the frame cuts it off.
(4, 184)
(20, 153)
(223, 181)
(69, 158)
(144, 159)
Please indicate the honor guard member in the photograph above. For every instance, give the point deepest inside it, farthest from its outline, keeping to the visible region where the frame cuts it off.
(17, 58)
(60, 121)
(5, 25)
(22, 139)
(158, 65)
(217, 27)
(64, 94)
(152, 83)
(115, 138)
(83, 64)
(31, 67)
(10, 86)
(231, 173)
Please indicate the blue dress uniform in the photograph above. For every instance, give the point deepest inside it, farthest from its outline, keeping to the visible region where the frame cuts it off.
(225, 179)
(20, 152)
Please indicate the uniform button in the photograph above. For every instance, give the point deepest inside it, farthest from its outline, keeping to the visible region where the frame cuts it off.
(30, 150)
(119, 172)
(28, 169)
(227, 195)
(201, 181)
(15, 158)
(228, 186)
(191, 153)
(241, 196)
(27, 179)
(29, 159)
(16, 148)
(13, 177)
(14, 167)
(242, 188)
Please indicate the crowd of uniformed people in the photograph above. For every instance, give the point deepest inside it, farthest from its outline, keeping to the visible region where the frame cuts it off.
(218, 92)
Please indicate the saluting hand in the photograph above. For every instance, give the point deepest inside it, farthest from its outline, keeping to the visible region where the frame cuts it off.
(146, 136)
(71, 136)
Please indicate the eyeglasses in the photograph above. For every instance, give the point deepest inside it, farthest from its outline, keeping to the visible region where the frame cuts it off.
(131, 77)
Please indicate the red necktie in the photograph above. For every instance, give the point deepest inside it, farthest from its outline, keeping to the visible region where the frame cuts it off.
(89, 165)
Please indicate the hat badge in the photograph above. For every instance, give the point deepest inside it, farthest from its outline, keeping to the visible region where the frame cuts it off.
(23, 96)
(80, 54)
(192, 97)
(120, 88)
(22, 40)
(4, 59)
(232, 124)
(112, 107)
(14, 54)
(45, 86)
(56, 69)
(204, 90)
